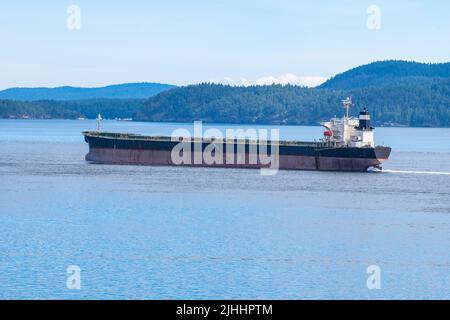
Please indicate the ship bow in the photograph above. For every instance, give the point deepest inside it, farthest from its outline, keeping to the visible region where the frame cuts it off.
(382, 153)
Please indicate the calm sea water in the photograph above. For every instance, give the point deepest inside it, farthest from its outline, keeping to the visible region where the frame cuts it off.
(205, 233)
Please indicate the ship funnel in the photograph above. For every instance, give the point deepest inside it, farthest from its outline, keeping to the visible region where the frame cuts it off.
(364, 120)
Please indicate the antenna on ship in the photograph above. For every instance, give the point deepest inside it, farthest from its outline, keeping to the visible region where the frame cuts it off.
(99, 122)
(347, 103)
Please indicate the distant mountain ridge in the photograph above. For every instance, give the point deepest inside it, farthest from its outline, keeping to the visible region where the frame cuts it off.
(388, 72)
(415, 104)
(142, 90)
(397, 93)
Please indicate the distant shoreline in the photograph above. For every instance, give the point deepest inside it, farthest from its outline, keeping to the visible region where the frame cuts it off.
(214, 123)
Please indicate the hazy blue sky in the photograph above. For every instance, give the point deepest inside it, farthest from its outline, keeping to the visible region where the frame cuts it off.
(189, 41)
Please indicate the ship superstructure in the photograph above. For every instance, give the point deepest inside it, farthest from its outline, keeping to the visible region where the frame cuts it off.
(350, 132)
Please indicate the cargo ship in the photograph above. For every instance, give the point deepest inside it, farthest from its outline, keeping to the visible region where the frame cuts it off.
(347, 145)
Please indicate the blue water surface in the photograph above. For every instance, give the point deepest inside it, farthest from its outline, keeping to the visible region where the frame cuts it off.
(209, 233)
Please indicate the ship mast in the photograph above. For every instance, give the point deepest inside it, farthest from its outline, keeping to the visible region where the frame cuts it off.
(347, 103)
(99, 122)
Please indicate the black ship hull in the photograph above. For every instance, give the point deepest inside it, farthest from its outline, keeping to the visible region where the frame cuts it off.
(140, 150)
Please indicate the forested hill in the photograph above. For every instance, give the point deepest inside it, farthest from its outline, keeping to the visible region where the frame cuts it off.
(407, 104)
(121, 91)
(71, 109)
(396, 92)
(388, 72)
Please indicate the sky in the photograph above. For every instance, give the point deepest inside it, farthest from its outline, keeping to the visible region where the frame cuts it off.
(91, 43)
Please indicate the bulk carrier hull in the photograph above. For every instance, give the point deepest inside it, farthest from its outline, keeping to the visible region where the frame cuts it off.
(114, 148)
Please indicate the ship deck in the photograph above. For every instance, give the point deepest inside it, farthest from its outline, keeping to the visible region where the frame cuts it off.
(138, 137)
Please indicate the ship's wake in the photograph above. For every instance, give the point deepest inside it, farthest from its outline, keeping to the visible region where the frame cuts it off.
(416, 172)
